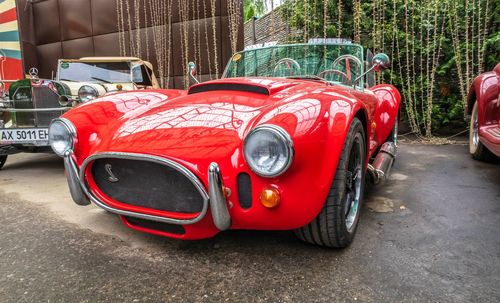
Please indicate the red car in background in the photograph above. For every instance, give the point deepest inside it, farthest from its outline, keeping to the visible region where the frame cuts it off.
(282, 142)
(483, 104)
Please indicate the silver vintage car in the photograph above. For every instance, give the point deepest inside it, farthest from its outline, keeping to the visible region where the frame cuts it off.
(30, 104)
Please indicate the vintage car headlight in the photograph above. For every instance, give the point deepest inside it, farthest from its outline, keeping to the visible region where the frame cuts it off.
(62, 136)
(268, 150)
(87, 93)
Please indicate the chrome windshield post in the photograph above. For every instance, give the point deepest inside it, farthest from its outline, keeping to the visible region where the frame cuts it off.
(216, 192)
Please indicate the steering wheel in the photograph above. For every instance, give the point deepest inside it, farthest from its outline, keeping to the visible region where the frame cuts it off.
(346, 59)
(289, 61)
(334, 71)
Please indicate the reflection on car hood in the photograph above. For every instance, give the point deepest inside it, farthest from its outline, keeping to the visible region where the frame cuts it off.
(208, 123)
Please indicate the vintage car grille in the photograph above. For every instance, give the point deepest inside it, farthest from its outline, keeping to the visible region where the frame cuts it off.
(44, 97)
(146, 184)
(22, 101)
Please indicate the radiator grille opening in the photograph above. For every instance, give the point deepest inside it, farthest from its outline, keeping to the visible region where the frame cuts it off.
(147, 184)
(44, 97)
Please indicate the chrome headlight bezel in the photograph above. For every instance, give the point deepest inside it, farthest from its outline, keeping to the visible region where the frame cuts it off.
(70, 130)
(279, 134)
(87, 93)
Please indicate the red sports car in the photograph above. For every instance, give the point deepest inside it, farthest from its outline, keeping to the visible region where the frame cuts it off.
(483, 104)
(282, 142)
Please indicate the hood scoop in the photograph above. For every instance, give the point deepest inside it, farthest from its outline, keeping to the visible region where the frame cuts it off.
(240, 87)
(262, 86)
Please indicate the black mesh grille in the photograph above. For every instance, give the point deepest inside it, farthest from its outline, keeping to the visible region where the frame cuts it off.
(147, 184)
(160, 226)
(44, 97)
(245, 190)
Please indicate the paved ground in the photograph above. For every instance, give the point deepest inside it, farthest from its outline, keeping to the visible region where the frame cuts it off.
(430, 235)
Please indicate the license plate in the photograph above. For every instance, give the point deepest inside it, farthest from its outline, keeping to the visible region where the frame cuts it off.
(35, 136)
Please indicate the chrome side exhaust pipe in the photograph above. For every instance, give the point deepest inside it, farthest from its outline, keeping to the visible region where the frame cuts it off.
(380, 169)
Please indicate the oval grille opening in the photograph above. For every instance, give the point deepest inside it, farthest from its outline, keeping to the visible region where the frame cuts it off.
(245, 190)
(146, 184)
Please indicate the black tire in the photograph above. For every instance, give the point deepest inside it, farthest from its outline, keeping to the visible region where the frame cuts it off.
(331, 227)
(3, 159)
(477, 150)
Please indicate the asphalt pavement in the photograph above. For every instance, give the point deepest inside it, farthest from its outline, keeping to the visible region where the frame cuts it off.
(430, 234)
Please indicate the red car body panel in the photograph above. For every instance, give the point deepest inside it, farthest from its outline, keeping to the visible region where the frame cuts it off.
(485, 90)
(197, 129)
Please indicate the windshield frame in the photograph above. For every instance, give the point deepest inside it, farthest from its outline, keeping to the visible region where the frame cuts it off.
(360, 84)
(130, 62)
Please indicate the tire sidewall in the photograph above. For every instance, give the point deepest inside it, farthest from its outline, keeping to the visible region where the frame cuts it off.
(359, 134)
(473, 149)
(329, 228)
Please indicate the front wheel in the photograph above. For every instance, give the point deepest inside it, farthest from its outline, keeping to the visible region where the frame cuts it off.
(3, 159)
(336, 224)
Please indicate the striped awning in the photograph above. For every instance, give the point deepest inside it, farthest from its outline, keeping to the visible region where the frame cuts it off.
(9, 32)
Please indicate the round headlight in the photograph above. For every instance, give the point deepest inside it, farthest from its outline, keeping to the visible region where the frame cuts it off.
(268, 150)
(87, 93)
(61, 136)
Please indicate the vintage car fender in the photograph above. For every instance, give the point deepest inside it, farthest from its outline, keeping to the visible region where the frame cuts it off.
(387, 110)
(485, 90)
(93, 117)
(318, 141)
(484, 87)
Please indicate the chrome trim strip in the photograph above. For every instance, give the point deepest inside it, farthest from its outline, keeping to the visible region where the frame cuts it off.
(74, 182)
(218, 203)
(133, 156)
(27, 110)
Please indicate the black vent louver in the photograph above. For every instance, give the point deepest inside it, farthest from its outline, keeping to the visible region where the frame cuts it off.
(244, 190)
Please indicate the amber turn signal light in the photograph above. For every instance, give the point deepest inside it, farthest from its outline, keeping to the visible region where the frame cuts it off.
(270, 197)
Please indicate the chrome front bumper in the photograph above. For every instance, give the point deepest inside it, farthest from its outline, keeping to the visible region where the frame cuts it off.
(215, 198)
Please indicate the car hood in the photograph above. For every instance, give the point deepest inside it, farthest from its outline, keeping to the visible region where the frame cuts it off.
(203, 124)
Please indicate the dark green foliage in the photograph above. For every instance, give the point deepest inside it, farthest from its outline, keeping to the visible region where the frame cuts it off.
(253, 8)
(425, 40)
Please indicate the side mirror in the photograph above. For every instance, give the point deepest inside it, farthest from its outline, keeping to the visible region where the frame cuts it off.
(381, 62)
(192, 71)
